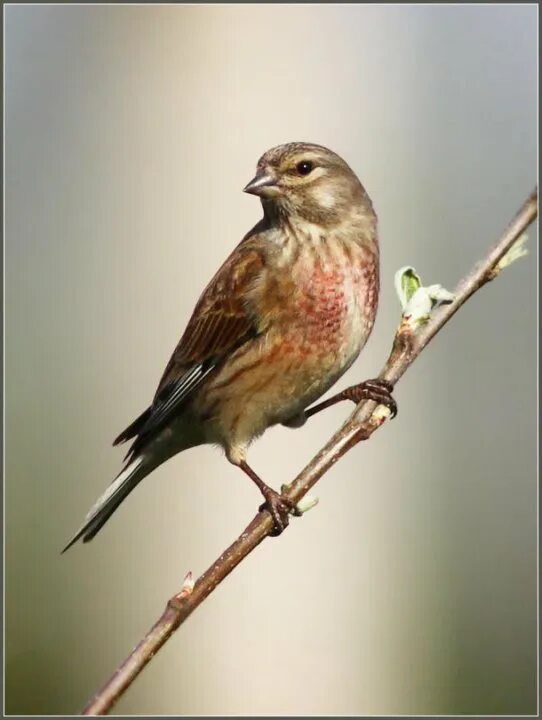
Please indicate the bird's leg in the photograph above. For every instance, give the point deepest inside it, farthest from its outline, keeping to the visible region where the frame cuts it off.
(278, 506)
(378, 390)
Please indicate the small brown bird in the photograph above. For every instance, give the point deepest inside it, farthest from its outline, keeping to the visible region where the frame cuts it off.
(284, 317)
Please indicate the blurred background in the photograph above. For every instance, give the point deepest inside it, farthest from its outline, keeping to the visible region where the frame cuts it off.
(130, 131)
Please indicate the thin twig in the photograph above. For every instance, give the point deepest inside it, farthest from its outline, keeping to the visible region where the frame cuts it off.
(360, 426)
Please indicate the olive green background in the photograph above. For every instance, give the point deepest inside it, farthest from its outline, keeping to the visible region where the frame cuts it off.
(130, 131)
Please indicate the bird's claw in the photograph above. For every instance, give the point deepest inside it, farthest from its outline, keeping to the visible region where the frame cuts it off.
(279, 507)
(378, 390)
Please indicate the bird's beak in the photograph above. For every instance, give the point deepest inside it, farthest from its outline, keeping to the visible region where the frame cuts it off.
(263, 185)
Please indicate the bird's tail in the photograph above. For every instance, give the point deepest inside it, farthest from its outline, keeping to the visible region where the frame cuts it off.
(106, 505)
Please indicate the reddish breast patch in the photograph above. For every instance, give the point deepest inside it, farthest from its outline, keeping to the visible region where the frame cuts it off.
(322, 306)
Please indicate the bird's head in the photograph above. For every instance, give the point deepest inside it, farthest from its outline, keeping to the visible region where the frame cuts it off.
(306, 180)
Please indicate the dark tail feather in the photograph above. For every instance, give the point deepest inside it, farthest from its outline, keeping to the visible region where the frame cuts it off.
(133, 429)
(119, 489)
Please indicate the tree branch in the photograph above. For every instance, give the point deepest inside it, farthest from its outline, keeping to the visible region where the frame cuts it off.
(366, 418)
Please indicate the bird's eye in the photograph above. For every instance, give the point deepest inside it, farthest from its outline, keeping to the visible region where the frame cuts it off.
(304, 167)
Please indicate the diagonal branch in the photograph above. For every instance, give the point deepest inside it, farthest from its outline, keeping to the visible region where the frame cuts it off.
(366, 418)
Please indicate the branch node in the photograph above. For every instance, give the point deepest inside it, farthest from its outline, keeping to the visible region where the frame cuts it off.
(517, 251)
(306, 503)
(184, 592)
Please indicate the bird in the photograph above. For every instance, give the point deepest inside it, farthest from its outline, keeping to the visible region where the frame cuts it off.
(280, 322)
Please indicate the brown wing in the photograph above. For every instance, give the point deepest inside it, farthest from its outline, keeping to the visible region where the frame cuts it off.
(220, 323)
(221, 320)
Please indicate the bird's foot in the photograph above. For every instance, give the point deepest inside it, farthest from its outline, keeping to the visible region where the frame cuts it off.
(279, 507)
(378, 390)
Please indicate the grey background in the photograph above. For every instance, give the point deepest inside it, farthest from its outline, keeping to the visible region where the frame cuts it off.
(130, 132)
